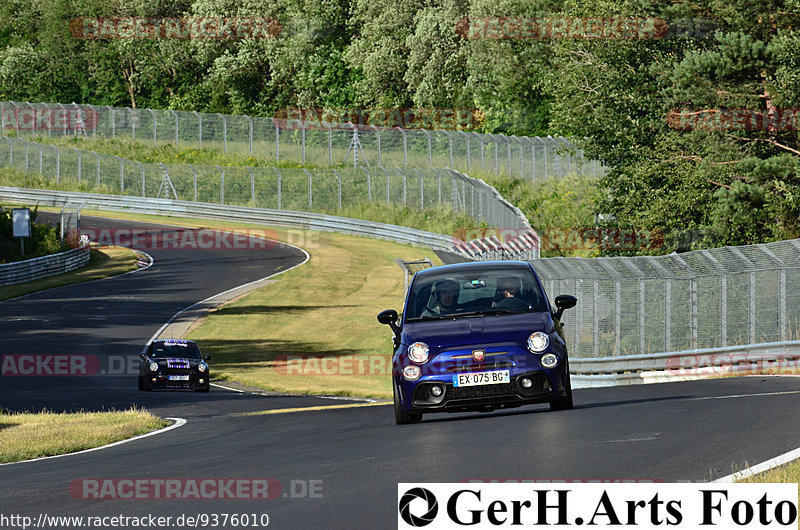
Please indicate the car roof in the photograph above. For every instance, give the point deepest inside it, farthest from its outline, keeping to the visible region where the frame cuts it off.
(187, 341)
(474, 265)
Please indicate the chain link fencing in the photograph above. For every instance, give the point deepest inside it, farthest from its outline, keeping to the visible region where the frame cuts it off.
(323, 144)
(702, 299)
(315, 190)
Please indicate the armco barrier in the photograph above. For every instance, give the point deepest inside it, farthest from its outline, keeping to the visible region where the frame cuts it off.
(686, 365)
(303, 220)
(36, 268)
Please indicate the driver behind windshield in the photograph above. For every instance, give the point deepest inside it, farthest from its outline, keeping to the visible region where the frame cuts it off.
(446, 293)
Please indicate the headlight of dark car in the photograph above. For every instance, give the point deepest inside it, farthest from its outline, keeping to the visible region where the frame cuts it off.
(538, 341)
(418, 352)
(153, 367)
(202, 367)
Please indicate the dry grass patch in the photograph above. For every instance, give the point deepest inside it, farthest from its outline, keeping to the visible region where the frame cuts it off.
(27, 435)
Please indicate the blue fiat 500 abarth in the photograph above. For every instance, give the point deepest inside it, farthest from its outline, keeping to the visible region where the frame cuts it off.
(478, 336)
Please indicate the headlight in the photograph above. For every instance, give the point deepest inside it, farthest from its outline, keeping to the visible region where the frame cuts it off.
(411, 373)
(418, 352)
(153, 367)
(549, 360)
(201, 367)
(538, 342)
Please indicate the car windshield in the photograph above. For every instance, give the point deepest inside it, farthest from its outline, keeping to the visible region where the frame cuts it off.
(465, 292)
(165, 350)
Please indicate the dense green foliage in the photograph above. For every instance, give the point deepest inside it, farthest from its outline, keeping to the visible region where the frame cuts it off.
(707, 186)
(43, 240)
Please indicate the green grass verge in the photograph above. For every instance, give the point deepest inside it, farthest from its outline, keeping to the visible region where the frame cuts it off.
(786, 473)
(103, 263)
(314, 330)
(31, 435)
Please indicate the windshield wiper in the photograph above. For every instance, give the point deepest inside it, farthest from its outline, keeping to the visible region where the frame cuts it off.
(428, 317)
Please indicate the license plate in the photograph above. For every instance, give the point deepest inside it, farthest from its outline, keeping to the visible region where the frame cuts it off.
(179, 378)
(482, 378)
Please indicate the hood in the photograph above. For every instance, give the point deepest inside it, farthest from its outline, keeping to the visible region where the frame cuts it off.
(476, 330)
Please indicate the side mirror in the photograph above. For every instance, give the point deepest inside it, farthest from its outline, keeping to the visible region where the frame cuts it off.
(389, 317)
(564, 302)
(207, 357)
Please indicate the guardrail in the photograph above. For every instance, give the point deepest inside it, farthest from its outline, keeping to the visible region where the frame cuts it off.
(303, 220)
(686, 365)
(37, 268)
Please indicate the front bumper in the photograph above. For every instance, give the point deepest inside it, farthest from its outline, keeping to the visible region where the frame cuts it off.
(544, 384)
(163, 381)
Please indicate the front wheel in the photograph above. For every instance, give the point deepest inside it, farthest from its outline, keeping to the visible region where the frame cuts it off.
(144, 384)
(565, 402)
(402, 417)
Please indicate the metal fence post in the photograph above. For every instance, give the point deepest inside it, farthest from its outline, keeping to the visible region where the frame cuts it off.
(330, 144)
(617, 316)
(496, 167)
(378, 137)
(141, 167)
(279, 186)
(252, 186)
(693, 311)
(113, 123)
(595, 318)
(250, 133)
(132, 114)
(121, 174)
(98, 168)
(339, 187)
(277, 142)
(155, 132)
(405, 146)
(194, 182)
(221, 185)
(80, 163)
(225, 134)
(303, 142)
(199, 129)
(310, 188)
(175, 115)
(641, 316)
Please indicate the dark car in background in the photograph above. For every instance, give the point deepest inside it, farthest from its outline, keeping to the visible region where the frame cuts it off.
(478, 336)
(174, 364)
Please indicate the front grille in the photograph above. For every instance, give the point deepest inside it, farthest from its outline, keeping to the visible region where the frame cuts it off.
(479, 367)
(480, 391)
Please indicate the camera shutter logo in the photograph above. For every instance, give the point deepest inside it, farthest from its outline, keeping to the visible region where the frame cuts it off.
(418, 520)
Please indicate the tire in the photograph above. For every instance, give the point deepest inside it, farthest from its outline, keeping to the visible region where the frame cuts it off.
(141, 382)
(144, 384)
(564, 403)
(203, 389)
(402, 417)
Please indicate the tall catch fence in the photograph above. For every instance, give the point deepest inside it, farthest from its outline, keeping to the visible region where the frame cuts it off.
(315, 190)
(702, 299)
(318, 143)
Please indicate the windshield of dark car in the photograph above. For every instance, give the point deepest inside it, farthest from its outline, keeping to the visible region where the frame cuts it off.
(474, 292)
(187, 350)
